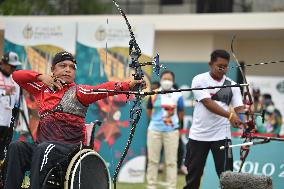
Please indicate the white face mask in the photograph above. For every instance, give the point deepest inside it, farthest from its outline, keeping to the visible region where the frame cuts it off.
(166, 84)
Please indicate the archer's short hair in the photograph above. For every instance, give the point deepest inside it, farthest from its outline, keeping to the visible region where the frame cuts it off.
(219, 53)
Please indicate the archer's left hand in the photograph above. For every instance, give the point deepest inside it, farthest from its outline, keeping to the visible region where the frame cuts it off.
(235, 121)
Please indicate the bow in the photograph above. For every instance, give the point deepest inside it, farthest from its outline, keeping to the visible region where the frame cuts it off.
(249, 127)
(136, 109)
(249, 123)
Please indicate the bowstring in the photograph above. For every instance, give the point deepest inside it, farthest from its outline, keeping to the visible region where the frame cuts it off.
(244, 151)
(109, 102)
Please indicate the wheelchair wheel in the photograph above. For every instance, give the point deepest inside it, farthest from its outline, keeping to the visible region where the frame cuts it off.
(87, 170)
(53, 179)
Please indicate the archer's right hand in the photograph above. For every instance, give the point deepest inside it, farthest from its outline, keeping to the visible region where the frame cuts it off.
(51, 81)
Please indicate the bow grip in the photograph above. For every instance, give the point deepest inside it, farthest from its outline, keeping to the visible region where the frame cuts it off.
(139, 86)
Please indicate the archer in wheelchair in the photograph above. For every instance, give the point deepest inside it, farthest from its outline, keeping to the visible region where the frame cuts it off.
(79, 166)
(61, 131)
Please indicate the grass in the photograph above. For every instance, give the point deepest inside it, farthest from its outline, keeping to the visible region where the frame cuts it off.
(180, 184)
(161, 179)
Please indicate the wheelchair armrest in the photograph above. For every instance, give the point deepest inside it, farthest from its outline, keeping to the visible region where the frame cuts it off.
(97, 123)
(91, 132)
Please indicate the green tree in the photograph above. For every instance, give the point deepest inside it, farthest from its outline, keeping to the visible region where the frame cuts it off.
(52, 7)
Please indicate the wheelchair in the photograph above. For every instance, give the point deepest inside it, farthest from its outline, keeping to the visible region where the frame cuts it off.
(85, 170)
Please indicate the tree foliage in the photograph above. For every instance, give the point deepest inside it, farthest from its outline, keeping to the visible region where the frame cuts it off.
(51, 7)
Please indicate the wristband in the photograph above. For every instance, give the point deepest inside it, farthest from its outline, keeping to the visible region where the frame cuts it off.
(230, 117)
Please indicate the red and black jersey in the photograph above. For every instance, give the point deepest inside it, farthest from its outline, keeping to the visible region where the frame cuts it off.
(61, 126)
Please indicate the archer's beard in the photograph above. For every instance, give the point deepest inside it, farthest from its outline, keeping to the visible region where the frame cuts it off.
(6, 74)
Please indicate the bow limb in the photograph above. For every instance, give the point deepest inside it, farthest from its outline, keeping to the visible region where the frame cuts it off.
(248, 102)
(241, 70)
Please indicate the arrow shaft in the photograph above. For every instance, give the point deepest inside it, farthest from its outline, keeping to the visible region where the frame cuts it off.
(256, 64)
(147, 93)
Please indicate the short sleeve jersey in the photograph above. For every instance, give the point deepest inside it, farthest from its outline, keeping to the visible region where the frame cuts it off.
(208, 126)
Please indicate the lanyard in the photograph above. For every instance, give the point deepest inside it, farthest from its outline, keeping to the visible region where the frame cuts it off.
(4, 86)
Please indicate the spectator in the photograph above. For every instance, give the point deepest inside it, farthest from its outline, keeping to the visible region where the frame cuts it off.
(165, 112)
(9, 95)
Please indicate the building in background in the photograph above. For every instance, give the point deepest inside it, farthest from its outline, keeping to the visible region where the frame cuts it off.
(196, 6)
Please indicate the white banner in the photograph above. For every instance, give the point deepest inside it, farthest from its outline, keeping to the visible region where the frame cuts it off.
(60, 34)
(116, 34)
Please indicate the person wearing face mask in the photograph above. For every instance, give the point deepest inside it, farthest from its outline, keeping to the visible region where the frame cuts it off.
(9, 95)
(166, 113)
(212, 119)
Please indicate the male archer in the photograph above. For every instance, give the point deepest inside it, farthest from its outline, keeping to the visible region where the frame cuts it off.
(9, 96)
(212, 119)
(63, 106)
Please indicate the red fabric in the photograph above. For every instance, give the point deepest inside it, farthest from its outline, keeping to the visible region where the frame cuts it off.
(48, 99)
